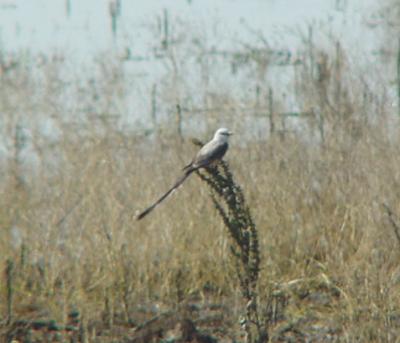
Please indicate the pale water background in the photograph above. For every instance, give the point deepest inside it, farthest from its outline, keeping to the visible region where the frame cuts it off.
(80, 31)
(84, 29)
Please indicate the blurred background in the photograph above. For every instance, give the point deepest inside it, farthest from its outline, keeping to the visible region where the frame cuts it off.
(98, 103)
(196, 54)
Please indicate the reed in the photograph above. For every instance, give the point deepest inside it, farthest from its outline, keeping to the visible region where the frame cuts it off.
(229, 201)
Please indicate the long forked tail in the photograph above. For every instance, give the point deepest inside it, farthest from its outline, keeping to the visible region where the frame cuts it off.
(189, 170)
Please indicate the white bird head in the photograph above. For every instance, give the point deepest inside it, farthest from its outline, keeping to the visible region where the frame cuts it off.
(222, 134)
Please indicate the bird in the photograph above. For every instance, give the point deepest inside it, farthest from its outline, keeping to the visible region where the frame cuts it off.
(208, 155)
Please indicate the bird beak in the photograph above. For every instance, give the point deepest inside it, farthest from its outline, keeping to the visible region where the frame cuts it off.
(230, 133)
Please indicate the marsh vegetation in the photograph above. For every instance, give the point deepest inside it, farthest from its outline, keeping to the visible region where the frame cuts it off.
(320, 181)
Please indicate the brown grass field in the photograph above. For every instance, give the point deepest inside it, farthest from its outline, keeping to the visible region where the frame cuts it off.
(79, 268)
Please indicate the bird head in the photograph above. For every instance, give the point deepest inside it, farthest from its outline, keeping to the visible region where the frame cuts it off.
(222, 134)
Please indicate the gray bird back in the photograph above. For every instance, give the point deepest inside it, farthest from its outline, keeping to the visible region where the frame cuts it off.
(212, 151)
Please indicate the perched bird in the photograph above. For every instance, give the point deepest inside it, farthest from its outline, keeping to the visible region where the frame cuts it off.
(209, 154)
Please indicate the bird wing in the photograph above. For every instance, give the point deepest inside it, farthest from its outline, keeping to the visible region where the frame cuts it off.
(212, 151)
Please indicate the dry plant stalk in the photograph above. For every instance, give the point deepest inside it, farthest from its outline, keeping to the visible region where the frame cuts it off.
(10, 289)
(392, 220)
(228, 199)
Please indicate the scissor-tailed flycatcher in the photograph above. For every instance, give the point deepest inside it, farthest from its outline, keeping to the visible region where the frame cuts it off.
(212, 152)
